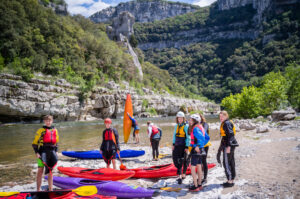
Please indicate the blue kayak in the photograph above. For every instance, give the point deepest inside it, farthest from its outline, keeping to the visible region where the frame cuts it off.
(95, 154)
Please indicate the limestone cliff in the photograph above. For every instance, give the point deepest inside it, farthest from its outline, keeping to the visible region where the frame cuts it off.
(28, 101)
(144, 11)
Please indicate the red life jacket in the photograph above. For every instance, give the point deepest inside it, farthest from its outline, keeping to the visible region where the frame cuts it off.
(154, 131)
(192, 133)
(109, 135)
(50, 136)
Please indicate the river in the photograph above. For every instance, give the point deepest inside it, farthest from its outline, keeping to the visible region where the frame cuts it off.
(16, 139)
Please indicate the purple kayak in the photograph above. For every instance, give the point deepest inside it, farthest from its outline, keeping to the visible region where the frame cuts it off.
(106, 188)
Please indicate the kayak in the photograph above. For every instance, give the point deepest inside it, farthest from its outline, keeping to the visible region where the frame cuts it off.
(127, 121)
(166, 170)
(96, 174)
(107, 188)
(57, 194)
(95, 154)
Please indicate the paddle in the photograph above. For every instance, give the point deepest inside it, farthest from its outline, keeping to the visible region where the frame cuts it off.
(122, 166)
(81, 191)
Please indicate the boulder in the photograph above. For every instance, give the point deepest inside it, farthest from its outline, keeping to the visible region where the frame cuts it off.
(288, 114)
(144, 115)
(269, 118)
(247, 125)
(262, 129)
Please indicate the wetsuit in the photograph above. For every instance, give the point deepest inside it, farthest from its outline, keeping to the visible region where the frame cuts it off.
(135, 126)
(154, 134)
(228, 139)
(110, 144)
(45, 144)
(198, 139)
(181, 141)
(206, 147)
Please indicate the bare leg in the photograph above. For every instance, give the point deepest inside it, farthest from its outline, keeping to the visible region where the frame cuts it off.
(50, 181)
(39, 176)
(108, 165)
(199, 172)
(194, 174)
(114, 163)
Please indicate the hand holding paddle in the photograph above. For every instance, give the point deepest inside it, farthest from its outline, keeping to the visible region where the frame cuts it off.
(81, 191)
(122, 166)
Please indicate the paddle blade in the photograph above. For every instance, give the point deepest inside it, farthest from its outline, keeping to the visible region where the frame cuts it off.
(11, 193)
(86, 190)
(122, 167)
(171, 189)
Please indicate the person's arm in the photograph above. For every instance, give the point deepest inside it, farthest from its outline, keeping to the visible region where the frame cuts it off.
(35, 142)
(102, 144)
(188, 137)
(174, 135)
(117, 139)
(149, 131)
(57, 140)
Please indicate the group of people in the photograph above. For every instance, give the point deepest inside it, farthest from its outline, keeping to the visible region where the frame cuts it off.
(191, 142)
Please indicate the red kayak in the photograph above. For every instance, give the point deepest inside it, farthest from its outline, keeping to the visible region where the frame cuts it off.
(96, 174)
(72, 195)
(160, 171)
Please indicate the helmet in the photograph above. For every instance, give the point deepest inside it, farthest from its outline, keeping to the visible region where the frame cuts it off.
(196, 117)
(107, 121)
(180, 114)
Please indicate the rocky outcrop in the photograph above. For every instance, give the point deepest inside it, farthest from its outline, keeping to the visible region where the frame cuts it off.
(288, 114)
(144, 11)
(121, 30)
(59, 7)
(121, 25)
(183, 38)
(22, 101)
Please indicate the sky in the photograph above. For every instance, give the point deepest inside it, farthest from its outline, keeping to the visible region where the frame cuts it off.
(89, 7)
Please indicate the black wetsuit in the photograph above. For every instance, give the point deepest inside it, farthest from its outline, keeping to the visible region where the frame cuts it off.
(228, 158)
(155, 144)
(109, 145)
(179, 156)
(204, 158)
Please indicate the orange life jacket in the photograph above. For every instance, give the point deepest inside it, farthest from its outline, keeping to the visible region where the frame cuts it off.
(49, 136)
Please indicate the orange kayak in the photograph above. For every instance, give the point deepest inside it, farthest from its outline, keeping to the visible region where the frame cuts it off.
(127, 121)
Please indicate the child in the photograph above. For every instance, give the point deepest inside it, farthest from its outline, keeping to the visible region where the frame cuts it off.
(154, 133)
(45, 147)
(136, 129)
(110, 144)
(181, 142)
(198, 140)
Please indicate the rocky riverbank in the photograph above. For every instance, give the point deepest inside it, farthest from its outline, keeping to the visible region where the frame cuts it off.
(29, 101)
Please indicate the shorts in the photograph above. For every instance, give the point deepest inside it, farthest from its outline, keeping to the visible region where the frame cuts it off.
(196, 159)
(108, 156)
(136, 131)
(40, 163)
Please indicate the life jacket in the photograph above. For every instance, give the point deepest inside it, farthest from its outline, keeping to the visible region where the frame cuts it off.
(222, 131)
(180, 131)
(192, 133)
(154, 131)
(49, 136)
(109, 135)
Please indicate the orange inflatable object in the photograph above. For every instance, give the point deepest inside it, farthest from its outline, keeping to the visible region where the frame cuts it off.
(127, 121)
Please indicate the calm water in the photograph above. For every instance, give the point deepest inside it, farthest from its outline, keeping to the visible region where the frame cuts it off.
(16, 139)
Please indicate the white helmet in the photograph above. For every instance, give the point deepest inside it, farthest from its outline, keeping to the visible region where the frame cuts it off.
(180, 114)
(196, 117)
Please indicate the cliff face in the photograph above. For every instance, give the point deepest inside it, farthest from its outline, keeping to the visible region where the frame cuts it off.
(144, 11)
(21, 101)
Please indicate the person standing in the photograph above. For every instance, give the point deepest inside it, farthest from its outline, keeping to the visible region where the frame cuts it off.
(206, 147)
(136, 129)
(181, 142)
(227, 146)
(45, 147)
(110, 144)
(198, 140)
(154, 133)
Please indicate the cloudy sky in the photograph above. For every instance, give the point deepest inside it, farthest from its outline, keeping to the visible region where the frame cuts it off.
(89, 7)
